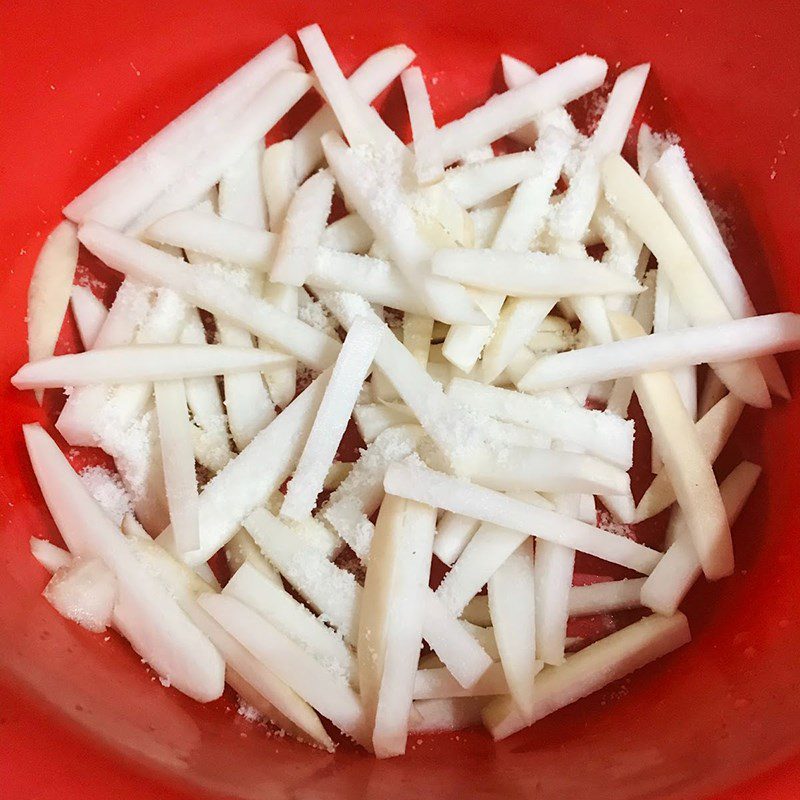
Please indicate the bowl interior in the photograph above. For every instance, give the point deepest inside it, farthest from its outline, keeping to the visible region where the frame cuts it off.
(91, 81)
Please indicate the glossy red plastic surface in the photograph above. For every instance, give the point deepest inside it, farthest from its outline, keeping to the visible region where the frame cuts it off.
(84, 82)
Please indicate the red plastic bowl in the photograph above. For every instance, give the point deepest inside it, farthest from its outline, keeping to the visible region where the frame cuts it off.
(84, 81)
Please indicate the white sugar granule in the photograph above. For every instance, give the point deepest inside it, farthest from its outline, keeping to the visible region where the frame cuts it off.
(107, 489)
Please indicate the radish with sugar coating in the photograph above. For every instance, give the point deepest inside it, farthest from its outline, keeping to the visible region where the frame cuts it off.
(84, 591)
(349, 372)
(428, 165)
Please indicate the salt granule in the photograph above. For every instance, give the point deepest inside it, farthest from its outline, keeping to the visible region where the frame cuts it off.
(107, 490)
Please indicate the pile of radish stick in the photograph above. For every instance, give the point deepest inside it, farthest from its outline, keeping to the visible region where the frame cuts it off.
(483, 316)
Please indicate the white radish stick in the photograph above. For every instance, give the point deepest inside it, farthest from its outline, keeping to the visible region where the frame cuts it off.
(84, 591)
(513, 612)
(442, 491)
(531, 274)
(513, 468)
(446, 714)
(241, 550)
(130, 186)
(49, 291)
(143, 363)
(372, 188)
(725, 342)
(360, 494)
(211, 443)
(553, 577)
(428, 166)
(49, 555)
(226, 239)
(249, 479)
(214, 294)
(350, 234)
(713, 431)
(177, 455)
(679, 568)
(241, 191)
(612, 129)
(473, 184)
(280, 181)
(453, 533)
(359, 122)
(465, 658)
(517, 73)
(90, 313)
(292, 619)
(147, 615)
(649, 148)
(685, 462)
(367, 81)
(301, 230)
(504, 113)
(605, 597)
(390, 626)
(591, 669)
(597, 432)
(224, 149)
(291, 663)
(332, 591)
(438, 683)
(349, 372)
(375, 280)
(642, 212)
(417, 333)
(680, 195)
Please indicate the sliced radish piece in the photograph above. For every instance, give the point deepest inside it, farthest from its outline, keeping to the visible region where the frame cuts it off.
(49, 555)
(476, 183)
(89, 313)
(213, 293)
(241, 550)
(85, 592)
(49, 291)
(642, 212)
(607, 596)
(681, 567)
(504, 113)
(280, 181)
(612, 129)
(241, 192)
(372, 419)
(424, 485)
(428, 166)
(685, 462)
(147, 615)
(177, 455)
(714, 429)
(301, 230)
(139, 363)
(453, 533)
(349, 372)
(531, 274)
(513, 613)
(591, 669)
(726, 342)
